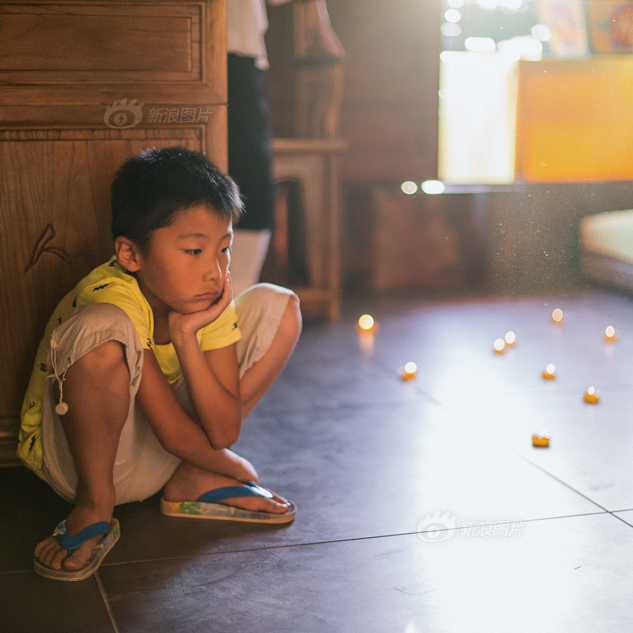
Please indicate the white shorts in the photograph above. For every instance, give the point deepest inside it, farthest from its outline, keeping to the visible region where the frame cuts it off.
(142, 466)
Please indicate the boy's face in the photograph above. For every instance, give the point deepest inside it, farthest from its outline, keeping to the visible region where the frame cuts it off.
(187, 262)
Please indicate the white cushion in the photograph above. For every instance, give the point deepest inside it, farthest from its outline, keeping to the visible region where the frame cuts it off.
(609, 234)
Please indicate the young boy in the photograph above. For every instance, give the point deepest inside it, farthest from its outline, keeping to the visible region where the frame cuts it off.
(143, 377)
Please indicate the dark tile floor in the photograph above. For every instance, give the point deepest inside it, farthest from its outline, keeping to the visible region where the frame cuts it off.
(422, 506)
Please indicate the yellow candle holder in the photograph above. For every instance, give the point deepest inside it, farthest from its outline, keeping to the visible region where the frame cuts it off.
(549, 373)
(408, 372)
(591, 397)
(540, 441)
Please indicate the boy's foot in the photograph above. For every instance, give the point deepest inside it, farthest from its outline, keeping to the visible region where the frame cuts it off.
(190, 486)
(52, 555)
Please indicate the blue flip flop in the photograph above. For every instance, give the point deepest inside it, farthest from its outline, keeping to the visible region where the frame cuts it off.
(206, 507)
(111, 533)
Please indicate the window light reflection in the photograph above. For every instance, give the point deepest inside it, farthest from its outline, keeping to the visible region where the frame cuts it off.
(433, 187)
(450, 30)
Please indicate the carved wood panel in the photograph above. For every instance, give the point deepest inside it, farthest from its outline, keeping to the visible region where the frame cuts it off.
(54, 228)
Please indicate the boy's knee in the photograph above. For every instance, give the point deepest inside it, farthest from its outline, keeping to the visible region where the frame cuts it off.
(106, 361)
(104, 356)
(292, 321)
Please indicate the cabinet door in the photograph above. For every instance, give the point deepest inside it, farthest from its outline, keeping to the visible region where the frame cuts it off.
(83, 86)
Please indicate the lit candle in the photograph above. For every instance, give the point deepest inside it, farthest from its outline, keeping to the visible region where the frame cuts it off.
(540, 441)
(408, 372)
(609, 335)
(549, 373)
(557, 316)
(499, 346)
(366, 325)
(591, 397)
(510, 338)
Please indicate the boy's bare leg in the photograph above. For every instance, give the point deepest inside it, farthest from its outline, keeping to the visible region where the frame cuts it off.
(96, 390)
(188, 482)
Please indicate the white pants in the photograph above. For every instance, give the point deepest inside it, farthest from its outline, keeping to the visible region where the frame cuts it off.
(142, 466)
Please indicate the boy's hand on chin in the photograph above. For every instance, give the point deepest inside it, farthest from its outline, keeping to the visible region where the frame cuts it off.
(184, 325)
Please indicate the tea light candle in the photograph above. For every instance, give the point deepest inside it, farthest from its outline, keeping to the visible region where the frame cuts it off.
(609, 335)
(549, 373)
(510, 338)
(408, 372)
(366, 325)
(540, 441)
(557, 316)
(591, 397)
(499, 346)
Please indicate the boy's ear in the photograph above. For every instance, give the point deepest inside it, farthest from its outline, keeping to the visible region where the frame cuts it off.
(127, 253)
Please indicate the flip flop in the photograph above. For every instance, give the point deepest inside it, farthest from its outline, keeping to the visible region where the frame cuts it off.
(111, 533)
(207, 508)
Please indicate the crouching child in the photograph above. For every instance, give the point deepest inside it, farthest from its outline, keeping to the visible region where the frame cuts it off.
(148, 367)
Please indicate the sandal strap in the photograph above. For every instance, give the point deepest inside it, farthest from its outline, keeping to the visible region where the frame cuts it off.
(71, 543)
(249, 489)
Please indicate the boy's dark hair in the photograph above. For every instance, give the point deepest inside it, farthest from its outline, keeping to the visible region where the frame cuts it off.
(149, 189)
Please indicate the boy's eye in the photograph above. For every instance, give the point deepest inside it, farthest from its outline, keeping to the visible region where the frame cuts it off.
(193, 251)
(226, 250)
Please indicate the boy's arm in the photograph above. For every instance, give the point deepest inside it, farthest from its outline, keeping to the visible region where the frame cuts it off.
(175, 430)
(212, 377)
(213, 383)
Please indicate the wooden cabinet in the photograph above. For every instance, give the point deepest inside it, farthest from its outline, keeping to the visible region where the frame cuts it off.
(82, 87)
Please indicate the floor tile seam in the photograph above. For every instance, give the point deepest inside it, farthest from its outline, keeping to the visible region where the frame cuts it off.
(106, 601)
(619, 518)
(564, 483)
(345, 540)
(325, 542)
(613, 513)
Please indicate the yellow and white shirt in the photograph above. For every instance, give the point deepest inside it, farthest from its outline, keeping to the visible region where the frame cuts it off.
(109, 283)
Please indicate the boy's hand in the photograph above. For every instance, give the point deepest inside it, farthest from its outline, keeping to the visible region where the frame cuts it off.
(182, 326)
(240, 468)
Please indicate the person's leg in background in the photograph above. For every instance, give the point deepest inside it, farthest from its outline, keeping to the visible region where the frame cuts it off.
(250, 166)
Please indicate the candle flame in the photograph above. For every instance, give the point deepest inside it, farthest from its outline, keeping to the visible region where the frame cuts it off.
(366, 322)
(557, 315)
(550, 369)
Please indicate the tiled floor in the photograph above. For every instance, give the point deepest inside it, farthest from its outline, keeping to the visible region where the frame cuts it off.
(422, 506)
